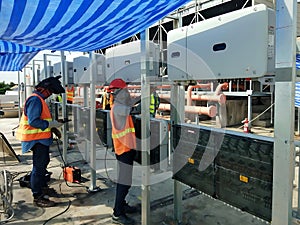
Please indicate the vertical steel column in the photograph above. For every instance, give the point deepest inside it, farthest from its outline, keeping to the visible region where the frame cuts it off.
(93, 72)
(33, 73)
(161, 48)
(145, 125)
(249, 111)
(24, 79)
(85, 105)
(64, 104)
(28, 88)
(272, 88)
(45, 66)
(177, 115)
(19, 96)
(284, 150)
(35, 78)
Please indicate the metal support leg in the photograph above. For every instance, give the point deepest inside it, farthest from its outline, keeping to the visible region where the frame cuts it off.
(64, 105)
(284, 150)
(93, 71)
(145, 129)
(177, 115)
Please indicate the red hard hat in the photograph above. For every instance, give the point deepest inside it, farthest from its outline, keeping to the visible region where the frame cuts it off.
(117, 84)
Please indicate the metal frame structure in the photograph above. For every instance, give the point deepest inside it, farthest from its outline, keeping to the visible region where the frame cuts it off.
(284, 150)
(25, 79)
(34, 70)
(45, 62)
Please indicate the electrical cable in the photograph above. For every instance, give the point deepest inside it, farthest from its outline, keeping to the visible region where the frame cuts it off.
(69, 204)
(105, 160)
(65, 165)
(258, 115)
(67, 185)
(62, 158)
(58, 213)
(105, 165)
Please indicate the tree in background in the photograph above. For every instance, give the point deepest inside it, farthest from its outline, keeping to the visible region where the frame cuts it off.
(4, 87)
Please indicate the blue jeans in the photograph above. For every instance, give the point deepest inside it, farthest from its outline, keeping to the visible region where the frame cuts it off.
(41, 159)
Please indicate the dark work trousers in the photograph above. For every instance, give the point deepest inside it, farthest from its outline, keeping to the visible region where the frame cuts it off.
(125, 167)
(41, 159)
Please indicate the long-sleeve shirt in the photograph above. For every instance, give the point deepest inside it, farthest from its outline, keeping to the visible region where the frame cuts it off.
(120, 114)
(33, 110)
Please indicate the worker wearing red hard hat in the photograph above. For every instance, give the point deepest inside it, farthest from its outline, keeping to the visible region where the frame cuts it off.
(124, 140)
(117, 83)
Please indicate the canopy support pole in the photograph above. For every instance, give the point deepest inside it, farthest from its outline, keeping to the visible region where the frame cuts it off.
(19, 97)
(177, 115)
(45, 66)
(145, 123)
(64, 104)
(93, 72)
(285, 75)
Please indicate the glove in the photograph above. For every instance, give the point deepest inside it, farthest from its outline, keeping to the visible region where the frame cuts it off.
(55, 131)
(54, 123)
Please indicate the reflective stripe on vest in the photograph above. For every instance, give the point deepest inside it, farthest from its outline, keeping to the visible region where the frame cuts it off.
(123, 133)
(26, 132)
(124, 140)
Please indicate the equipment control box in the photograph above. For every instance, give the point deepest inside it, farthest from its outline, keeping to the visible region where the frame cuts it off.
(239, 44)
(159, 137)
(81, 66)
(69, 71)
(42, 75)
(124, 61)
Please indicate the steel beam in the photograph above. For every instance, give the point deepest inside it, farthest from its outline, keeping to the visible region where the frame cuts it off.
(284, 150)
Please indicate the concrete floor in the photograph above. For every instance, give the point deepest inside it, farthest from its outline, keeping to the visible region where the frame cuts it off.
(77, 205)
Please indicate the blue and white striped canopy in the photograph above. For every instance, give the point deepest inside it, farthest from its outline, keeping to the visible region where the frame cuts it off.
(13, 57)
(297, 94)
(79, 25)
(15, 61)
(8, 47)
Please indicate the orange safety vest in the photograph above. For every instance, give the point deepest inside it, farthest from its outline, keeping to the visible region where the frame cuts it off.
(107, 101)
(70, 94)
(26, 132)
(124, 140)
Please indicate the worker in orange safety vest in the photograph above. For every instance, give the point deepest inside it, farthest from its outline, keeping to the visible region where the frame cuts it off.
(124, 140)
(70, 94)
(35, 133)
(107, 99)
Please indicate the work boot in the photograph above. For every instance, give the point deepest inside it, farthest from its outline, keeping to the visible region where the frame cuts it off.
(130, 209)
(43, 202)
(122, 219)
(50, 192)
